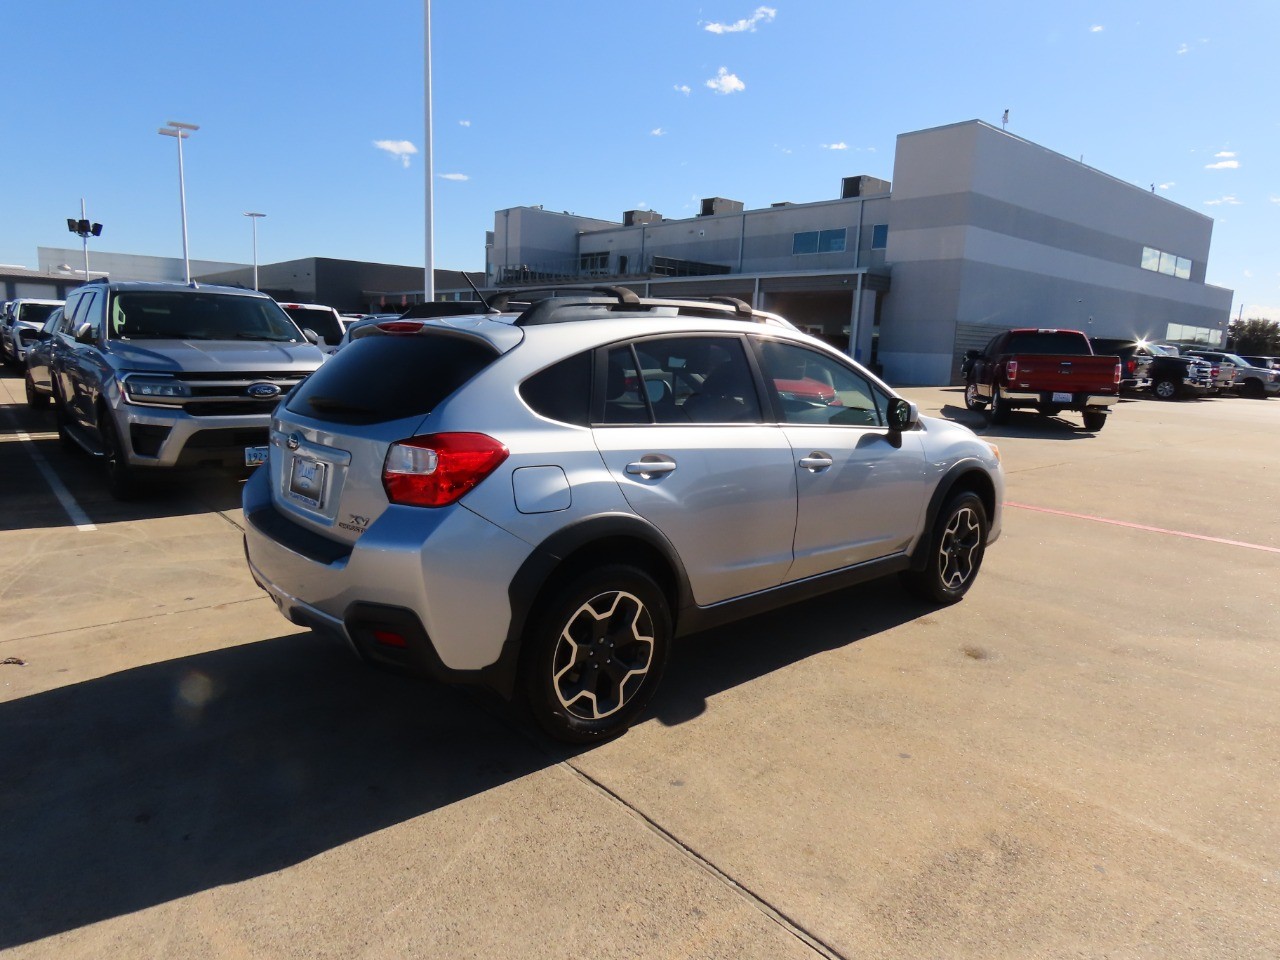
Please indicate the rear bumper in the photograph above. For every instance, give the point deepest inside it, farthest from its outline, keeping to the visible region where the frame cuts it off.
(1039, 398)
(441, 574)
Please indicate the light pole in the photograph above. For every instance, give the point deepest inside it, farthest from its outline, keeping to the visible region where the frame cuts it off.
(84, 230)
(180, 132)
(254, 218)
(429, 280)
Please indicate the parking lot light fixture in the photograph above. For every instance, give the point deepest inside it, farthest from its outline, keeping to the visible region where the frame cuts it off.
(181, 131)
(254, 218)
(83, 229)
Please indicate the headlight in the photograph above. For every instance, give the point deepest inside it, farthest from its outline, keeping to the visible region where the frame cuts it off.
(150, 388)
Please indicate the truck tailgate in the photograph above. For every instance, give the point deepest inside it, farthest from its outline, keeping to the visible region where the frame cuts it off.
(1063, 374)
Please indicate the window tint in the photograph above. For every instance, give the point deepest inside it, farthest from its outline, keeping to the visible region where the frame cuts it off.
(89, 311)
(815, 388)
(1048, 343)
(321, 321)
(35, 312)
(380, 378)
(199, 316)
(684, 380)
(879, 236)
(818, 241)
(562, 391)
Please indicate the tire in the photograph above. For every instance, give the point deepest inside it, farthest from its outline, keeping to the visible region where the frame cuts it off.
(1253, 389)
(956, 547)
(972, 400)
(35, 399)
(596, 653)
(1094, 421)
(999, 407)
(122, 481)
(1165, 389)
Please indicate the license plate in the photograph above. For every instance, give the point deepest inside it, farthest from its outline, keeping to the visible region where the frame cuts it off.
(1062, 398)
(255, 456)
(306, 480)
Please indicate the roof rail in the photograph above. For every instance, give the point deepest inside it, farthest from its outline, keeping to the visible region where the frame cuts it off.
(621, 294)
(563, 309)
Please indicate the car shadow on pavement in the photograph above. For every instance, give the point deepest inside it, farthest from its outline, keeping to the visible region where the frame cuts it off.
(1028, 425)
(151, 784)
(709, 663)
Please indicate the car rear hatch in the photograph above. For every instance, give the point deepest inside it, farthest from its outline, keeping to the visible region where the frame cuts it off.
(330, 438)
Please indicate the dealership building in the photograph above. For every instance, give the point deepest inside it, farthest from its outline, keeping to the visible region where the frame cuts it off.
(978, 231)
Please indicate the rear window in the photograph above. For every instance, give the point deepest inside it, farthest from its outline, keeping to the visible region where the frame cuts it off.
(381, 378)
(323, 322)
(35, 312)
(1059, 343)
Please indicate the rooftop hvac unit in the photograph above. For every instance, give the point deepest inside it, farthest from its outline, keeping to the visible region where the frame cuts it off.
(713, 206)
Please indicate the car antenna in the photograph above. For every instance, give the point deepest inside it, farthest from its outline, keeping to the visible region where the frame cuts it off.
(488, 308)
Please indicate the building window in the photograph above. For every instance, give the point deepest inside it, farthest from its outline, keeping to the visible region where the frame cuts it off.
(1185, 333)
(1160, 261)
(879, 236)
(593, 264)
(818, 241)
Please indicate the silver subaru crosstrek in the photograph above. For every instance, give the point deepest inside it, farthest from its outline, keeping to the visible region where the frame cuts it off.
(541, 501)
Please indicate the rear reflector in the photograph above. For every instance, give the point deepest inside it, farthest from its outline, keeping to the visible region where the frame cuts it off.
(389, 639)
(437, 469)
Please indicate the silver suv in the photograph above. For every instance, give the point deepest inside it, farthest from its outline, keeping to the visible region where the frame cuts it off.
(149, 377)
(541, 501)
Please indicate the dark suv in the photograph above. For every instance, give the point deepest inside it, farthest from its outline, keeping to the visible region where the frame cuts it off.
(1151, 366)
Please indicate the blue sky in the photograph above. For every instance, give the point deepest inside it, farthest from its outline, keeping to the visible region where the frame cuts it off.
(596, 108)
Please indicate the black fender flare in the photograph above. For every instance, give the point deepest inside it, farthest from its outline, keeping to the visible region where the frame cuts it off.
(985, 488)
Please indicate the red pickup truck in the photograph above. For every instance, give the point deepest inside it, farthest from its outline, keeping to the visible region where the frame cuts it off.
(1048, 370)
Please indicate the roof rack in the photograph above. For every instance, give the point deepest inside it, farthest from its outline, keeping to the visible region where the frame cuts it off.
(621, 301)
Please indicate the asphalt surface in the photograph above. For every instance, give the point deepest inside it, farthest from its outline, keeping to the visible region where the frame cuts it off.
(1081, 759)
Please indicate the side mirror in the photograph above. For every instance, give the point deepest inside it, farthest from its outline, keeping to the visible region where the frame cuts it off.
(85, 333)
(972, 354)
(903, 415)
(311, 335)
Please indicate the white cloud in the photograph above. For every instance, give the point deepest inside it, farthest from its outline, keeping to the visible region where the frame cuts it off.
(726, 83)
(835, 146)
(1224, 153)
(657, 132)
(1275, 199)
(397, 148)
(464, 123)
(682, 88)
(762, 15)
(1168, 186)
(454, 176)
(1183, 49)
(1223, 165)
(1228, 200)
(1248, 274)
(1097, 28)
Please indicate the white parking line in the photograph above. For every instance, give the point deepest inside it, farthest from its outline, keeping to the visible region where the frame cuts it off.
(74, 513)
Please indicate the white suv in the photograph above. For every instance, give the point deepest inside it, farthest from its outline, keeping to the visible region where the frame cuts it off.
(542, 501)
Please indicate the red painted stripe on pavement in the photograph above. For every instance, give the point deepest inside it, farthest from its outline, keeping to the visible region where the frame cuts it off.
(1143, 526)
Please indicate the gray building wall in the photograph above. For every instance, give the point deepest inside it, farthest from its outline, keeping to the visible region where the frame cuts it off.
(989, 230)
(129, 266)
(530, 237)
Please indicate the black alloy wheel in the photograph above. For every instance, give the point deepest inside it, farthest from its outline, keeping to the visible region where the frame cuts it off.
(597, 653)
(956, 547)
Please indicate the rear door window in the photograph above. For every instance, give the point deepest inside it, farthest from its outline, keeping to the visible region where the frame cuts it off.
(687, 379)
(389, 377)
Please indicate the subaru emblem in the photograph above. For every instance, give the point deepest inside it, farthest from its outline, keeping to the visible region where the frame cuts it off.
(294, 441)
(262, 391)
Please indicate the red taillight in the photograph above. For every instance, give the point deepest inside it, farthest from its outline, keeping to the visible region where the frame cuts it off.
(437, 469)
(1011, 370)
(400, 326)
(390, 638)
(1133, 365)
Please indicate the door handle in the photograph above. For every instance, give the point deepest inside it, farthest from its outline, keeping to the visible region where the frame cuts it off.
(650, 468)
(816, 462)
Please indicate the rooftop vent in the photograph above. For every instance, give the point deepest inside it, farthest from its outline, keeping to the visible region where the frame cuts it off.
(633, 218)
(862, 186)
(714, 206)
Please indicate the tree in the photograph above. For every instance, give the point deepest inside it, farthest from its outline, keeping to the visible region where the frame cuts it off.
(1257, 337)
